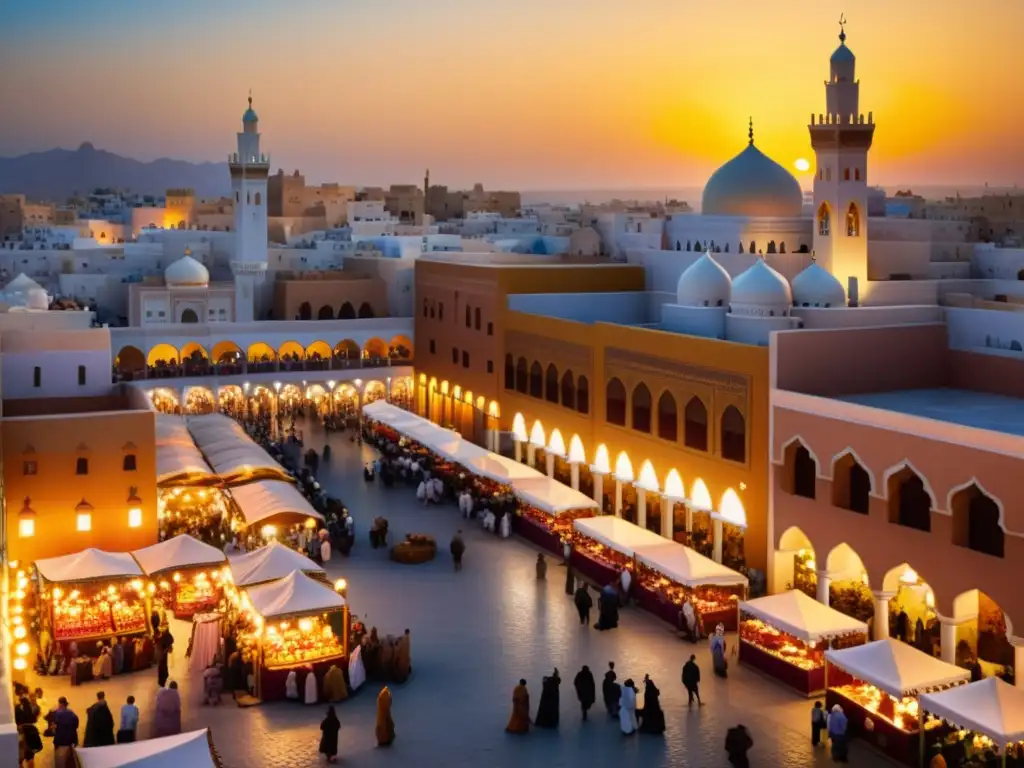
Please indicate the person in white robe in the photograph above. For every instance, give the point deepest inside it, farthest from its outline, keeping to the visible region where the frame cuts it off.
(506, 526)
(627, 708)
(438, 489)
(421, 492)
(489, 521)
(356, 670)
(325, 550)
(311, 695)
(625, 580)
(291, 686)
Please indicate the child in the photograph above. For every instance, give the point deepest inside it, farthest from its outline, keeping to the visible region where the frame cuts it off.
(818, 722)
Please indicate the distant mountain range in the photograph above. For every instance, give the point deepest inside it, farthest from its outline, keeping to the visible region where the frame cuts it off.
(57, 174)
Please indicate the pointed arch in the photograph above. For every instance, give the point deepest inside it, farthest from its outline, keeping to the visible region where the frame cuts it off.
(668, 417)
(824, 220)
(733, 428)
(583, 395)
(641, 402)
(305, 311)
(793, 538)
(615, 402)
(365, 310)
(551, 384)
(695, 424)
(852, 483)
(347, 349)
(326, 312)
(843, 563)
(909, 496)
(853, 221)
(522, 376)
(800, 467)
(347, 311)
(510, 372)
(977, 519)
(536, 381)
(569, 389)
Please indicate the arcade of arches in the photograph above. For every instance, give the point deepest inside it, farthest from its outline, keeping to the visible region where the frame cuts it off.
(228, 357)
(977, 634)
(452, 407)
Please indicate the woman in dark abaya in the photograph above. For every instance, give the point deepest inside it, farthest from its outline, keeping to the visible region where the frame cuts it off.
(547, 710)
(652, 719)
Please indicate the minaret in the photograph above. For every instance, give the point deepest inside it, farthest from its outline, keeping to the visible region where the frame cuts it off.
(249, 171)
(841, 138)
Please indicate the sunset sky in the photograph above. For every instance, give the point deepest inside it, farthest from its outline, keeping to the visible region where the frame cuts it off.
(529, 94)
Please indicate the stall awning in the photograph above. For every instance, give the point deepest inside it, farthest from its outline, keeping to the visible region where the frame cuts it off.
(896, 668)
(274, 561)
(176, 462)
(294, 595)
(193, 749)
(89, 565)
(551, 496)
(802, 617)
(501, 469)
(171, 430)
(687, 566)
(179, 552)
(617, 534)
(989, 706)
(230, 451)
(267, 499)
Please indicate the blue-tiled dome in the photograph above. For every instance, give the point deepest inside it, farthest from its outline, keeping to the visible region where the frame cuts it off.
(250, 116)
(752, 184)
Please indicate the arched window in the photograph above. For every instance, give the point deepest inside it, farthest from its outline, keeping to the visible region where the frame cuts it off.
(189, 316)
(856, 174)
(695, 425)
(976, 522)
(583, 395)
(753, 247)
(347, 311)
(642, 408)
(824, 220)
(801, 471)
(568, 390)
(853, 221)
(305, 311)
(846, 174)
(258, 198)
(771, 246)
(326, 312)
(129, 465)
(909, 502)
(851, 485)
(782, 247)
(536, 381)
(668, 418)
(551, 384)
(510, 373)
(522, 377)
(615, 403)
(365, 310)
(734, 435)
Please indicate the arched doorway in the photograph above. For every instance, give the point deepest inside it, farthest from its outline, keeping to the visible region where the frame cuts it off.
(162, 360)
(194, 359)
(795, 567)
(849, 588)
(130, 363)
(374, 390)
(851, 485)
(199, 400)
(976, 521)
(982, 634)
(801, 471)
(346, 354)
(318, 356)
(165, 400)
(227, 356)
(910, 503)
(231, 399)
(326, 312)
(188, 315)
(291, 355)
(305, 311)
(912, 616)
(375, 352)
(365, 310)
(347, 311)
(262, 358)
(400, 349)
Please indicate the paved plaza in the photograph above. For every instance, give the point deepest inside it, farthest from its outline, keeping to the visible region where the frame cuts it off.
(474, 634)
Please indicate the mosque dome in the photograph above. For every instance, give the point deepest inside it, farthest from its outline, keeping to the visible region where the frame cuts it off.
(186, 272)
(842, 55)
(250, 114)
(817, 287)
(24, 292)
(752, 184)
(705, 283)
(760, 291)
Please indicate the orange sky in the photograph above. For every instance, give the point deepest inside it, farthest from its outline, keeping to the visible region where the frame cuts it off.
(534, 94)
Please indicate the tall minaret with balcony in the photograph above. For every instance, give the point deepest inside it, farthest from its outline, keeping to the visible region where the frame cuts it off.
(841, 138)
(249, 171)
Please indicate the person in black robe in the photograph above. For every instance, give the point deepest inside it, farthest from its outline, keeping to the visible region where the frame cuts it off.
(99, 724)
(583, 602)
(652, 718)
(737, 744)
(608, 610)
(329, 735)
(586, 690)
(547, 710)
(570, 581)
(611, 691)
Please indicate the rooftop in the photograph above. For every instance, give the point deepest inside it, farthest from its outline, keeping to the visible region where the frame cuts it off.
(967, 408)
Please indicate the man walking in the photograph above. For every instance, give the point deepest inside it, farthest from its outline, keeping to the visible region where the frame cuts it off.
(691, 681)
(583, 602)
(458, 548)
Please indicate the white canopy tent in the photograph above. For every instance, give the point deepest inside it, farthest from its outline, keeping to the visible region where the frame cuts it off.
(502, 469)
(801, 616)
(618, 534)
(171, 430)
(268, 499)
(293, 595)
(896, 668)
(176, 463)
(990, 707)
(193, 749)
(551, 496)
(181, 551)
(274, 561)
(89, 565)
(687, 566)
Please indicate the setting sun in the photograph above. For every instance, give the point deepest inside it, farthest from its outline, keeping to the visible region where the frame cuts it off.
(802, 165)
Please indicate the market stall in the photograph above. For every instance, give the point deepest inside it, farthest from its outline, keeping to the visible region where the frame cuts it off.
(668, 573)
(194, 749)
(187, 574)
(271, 502)
(547, 510)
(604, 545)
(88, 600)
(786, 637)
(878, 686)
(978, 717)
(233, 455)
(274, 561)
(295, 624)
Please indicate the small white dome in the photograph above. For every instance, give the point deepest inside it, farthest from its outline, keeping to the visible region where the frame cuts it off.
(24, 292)
(705, 283)
(21, 283)
(760, 291)
(817, 287)
(186, 272)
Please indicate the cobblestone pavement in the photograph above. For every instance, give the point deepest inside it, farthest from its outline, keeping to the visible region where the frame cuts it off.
(475, 634)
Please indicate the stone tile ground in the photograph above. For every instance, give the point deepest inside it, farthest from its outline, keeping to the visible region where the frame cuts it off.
(474, 635)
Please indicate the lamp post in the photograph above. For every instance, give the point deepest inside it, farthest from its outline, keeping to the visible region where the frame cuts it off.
(330, 403)
(275, 431)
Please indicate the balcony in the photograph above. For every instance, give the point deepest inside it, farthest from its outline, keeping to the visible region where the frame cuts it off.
(202, 367)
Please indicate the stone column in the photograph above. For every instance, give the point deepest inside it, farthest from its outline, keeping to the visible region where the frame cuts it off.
(668, 515)
(689, 519)
(719, 533)
(948, 639)
(519, 451)
(574, 470)
(641, 507)
(824, 582)
(549, 463)
(1018, 660)
(598, 489)
(531, 454)
(881, 623)
(618, 497)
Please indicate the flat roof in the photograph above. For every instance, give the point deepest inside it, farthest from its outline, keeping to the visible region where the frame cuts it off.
(968, 408)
